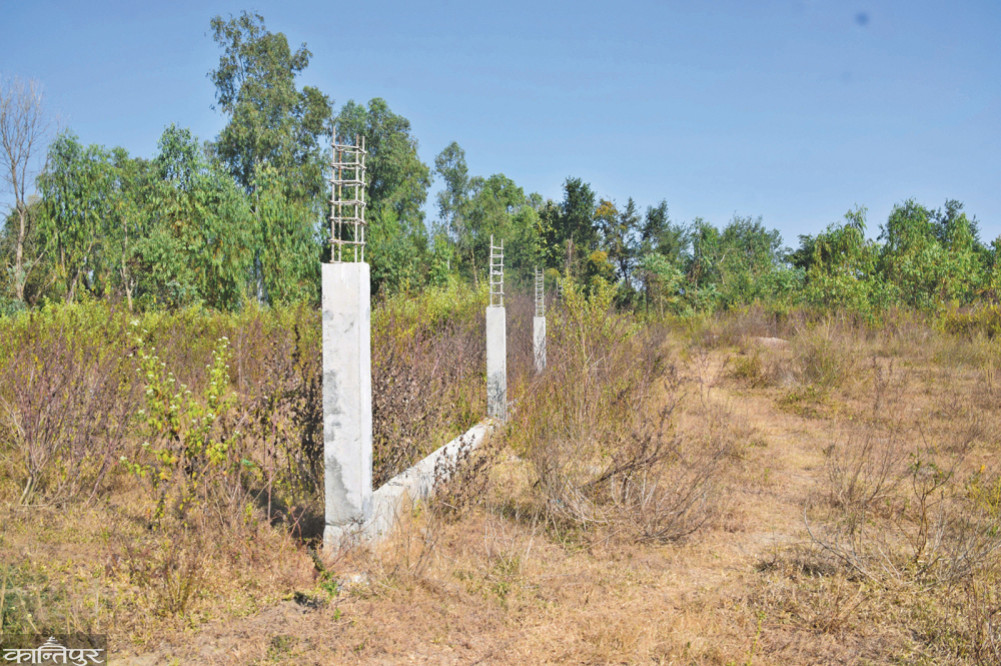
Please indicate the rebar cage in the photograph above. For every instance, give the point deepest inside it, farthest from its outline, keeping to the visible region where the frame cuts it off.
(347, 201)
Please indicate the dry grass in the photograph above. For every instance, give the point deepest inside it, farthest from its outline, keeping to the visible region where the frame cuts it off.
(881, 442)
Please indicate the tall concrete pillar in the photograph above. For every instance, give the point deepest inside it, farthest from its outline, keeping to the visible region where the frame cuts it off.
(539, 342)
(496, 362)
(539, 322)
(347, 399)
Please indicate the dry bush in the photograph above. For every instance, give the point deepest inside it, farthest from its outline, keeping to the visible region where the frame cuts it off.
(66, 403)
(664, 486)
(902, 506)
(285, 420)
(585, 425)
(825, 355)
(425, 388)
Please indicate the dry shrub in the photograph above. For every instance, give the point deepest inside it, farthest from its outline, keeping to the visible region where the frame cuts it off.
(168, 570)
(902, 506)
(66, 402)
(427, 361)
(825, 355)
(285, 420)
(584, 425)
(980, 612)
(730, 328)
(664, 486)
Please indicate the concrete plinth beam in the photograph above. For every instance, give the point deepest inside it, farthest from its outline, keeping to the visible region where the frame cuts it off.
(347, 400)
(391, 501)
(496, 363)
(539, 342)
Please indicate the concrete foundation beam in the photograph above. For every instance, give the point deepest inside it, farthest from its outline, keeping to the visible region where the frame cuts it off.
(420, 481)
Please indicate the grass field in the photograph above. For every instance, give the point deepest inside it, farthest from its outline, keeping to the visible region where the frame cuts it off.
(743, 489)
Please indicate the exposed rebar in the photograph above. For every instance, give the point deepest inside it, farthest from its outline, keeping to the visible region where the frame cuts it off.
(347, 201)
(496, 273)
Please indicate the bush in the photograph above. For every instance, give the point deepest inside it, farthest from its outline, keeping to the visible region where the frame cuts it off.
(584, 426)
(67, 396)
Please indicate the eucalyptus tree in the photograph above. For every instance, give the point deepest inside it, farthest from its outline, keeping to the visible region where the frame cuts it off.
(199, 249)
(276, 136)
(76, 186)
(271, 121)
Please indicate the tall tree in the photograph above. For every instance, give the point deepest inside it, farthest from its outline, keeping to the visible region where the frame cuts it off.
(930, 256)
(290, 251)
(453, 200)
(76, 186)
(22, 131)
(270, 120)
(568, 230)
(620, 230)
(200, 250)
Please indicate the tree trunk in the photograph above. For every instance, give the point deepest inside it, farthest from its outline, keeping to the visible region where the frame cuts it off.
(19, 277)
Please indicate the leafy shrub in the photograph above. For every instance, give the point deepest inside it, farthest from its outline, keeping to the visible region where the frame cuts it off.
(193, 455)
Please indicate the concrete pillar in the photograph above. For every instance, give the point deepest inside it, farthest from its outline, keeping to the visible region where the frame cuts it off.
(347, 399)
(539, 342)
(496, 363)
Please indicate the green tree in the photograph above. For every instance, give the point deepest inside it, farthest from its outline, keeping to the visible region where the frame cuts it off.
(620, 236)
(290, 252)
(931, 257)
(453, 201)
(840, 266)
(498, 207)
(568, 232)
(127, 228)
(77, 189)
(200, 247)
(743, 262)
(397, 188)
(271, 122)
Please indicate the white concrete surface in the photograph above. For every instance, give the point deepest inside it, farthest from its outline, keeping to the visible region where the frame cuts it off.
(419, 482)
(539, 342)
(347, 399)
(496, 363)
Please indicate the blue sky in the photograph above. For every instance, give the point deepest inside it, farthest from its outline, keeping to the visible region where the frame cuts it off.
(794, 110)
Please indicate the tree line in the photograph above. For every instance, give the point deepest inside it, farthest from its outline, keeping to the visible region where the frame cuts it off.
(244, 217)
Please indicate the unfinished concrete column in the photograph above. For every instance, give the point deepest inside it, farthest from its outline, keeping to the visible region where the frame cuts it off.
(539, 322)
(347, 355)
(496, 337)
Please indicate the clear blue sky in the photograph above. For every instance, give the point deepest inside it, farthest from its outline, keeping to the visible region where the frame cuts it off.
(794, 110)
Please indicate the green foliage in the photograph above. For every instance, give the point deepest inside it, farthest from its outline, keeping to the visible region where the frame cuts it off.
(568, 233)
(271, 122)
(931, 257)
(200, 248)
(840, 267)
(289, 251)
(191, 443)
(472, 209)
(77, 190)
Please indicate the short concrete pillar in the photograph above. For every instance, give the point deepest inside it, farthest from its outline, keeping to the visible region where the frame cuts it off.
(347, 399)
(539, 342)
(496, 362)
